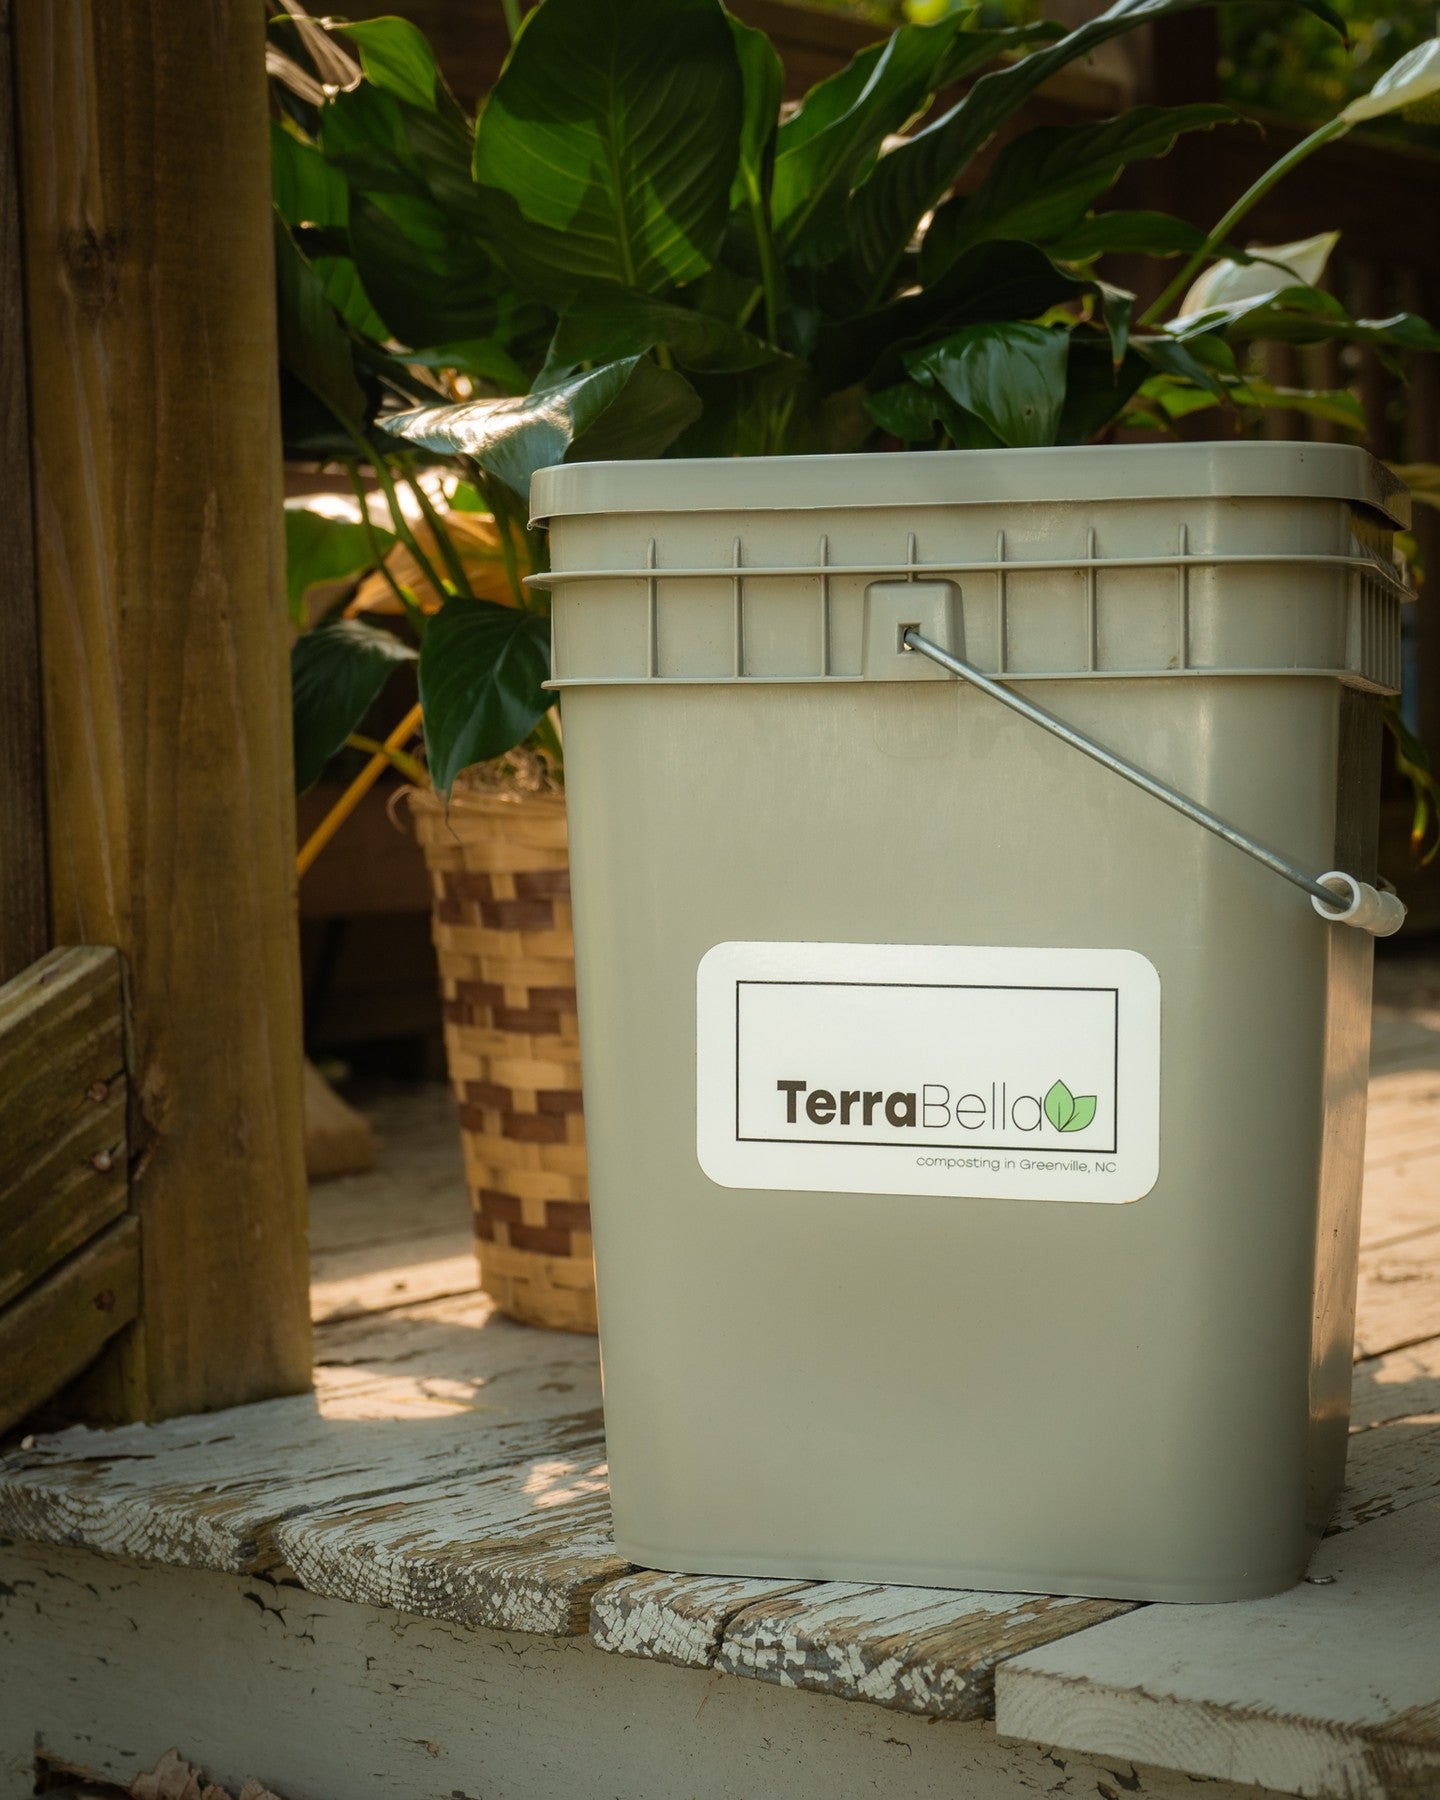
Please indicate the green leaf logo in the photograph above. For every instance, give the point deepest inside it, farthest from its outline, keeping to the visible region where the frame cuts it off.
(1067, 1111)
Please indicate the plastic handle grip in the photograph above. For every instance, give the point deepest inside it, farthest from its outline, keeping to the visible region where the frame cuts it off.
(1358, 904)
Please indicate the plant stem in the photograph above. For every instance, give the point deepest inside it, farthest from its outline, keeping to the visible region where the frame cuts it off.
(377, 551)
(449, 554)
(765, 246)
(1257, 191)
(357, 790)
(402, 524)
(511, 9)
(397, 759)
(490, 494)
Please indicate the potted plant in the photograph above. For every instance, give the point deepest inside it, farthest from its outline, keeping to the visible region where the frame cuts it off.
(668, 264)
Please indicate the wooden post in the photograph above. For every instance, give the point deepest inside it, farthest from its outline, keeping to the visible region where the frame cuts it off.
(24, 930)
(156, 458)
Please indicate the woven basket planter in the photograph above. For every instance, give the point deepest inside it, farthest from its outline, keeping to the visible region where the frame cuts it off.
(500, 870)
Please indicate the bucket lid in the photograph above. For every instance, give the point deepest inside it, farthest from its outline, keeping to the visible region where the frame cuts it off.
(1090, 472)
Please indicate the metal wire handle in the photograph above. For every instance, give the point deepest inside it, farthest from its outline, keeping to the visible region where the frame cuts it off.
(1339, 898)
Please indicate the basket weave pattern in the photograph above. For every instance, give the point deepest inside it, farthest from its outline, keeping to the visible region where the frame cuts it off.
(500, 871)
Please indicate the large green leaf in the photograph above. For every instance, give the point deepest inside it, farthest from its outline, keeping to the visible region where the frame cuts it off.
(608, 146)
(321, 547)
(315, 348)
(603, 324)
(414, 218)
(431, 284)
(995, 282)
(1301, 315)
(762, 85)
(1045, 182)
(1010, 377)
(397, 58)
(842, 123)
(306, 189)
(1097, 390)
(910, 181)
(482, 669)
(336, 674)
(644, 409)
(914, 413)
(1126, 234)
(762, 80)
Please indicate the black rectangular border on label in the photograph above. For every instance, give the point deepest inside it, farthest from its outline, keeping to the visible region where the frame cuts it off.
(1016, 987)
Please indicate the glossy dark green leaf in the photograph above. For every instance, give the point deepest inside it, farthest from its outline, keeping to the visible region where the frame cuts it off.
(907, 411)
(1097, 391)
(916, 414)
(647, 410)
(909, 182)
(346, 293)
(430, 284)
(415, 220)
(993, 282)
(321, 547)
(650, 412)
(337, 672)
(306, 189)
(482, 667)
(315, 348)
(1010, 377)
(1126, 234)
(1301, 315)
(397, 58)
(1202, 362)
(762, 82)
(607, 148)
(482, 359)
(842, 123)
(1045, 182)
(603, 324)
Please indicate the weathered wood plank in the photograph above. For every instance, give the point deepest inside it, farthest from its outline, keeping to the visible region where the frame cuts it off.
(1330, 1690)
(347, 1284)
(1402, 1199)
(917, 1650)
(1388, 1468)
(1398, 1300)
(417, 1187)
(1399, 1385)
(63, 1161)
(321, 1699)
(24, 908)
(400, 1403)
(147, 252)
(677, 1619)
(53, 1332)
(520, 1548)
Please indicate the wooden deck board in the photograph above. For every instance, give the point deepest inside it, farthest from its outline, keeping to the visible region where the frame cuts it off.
(1330, 1689)
(450, 1464)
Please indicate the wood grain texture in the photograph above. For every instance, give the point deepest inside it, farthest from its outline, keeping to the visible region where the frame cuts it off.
(451, 1464)
(677, 1619)
(24, 908)
(917, 1650)
(63, 1144)
(53, 1332)
(105, 1665)
(1331, 1690)
(144, 157)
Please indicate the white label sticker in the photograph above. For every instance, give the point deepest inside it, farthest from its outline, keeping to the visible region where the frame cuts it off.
(994, 1073)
